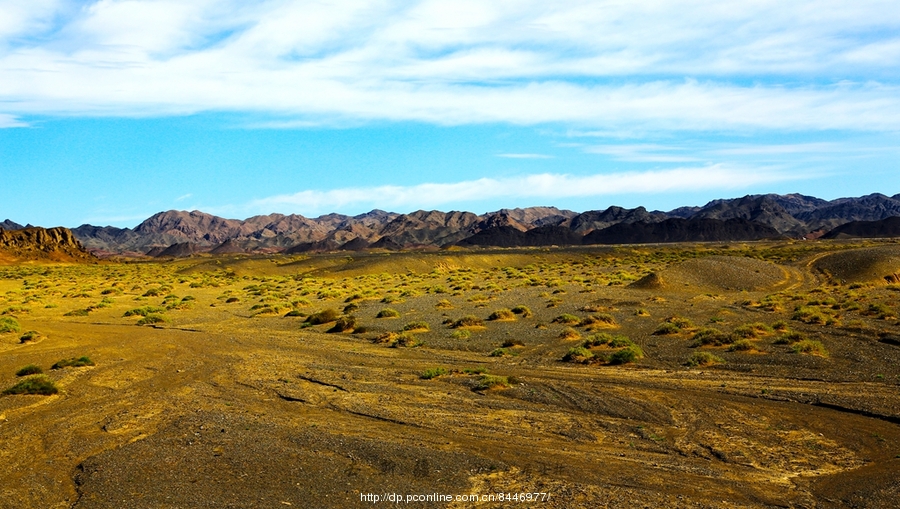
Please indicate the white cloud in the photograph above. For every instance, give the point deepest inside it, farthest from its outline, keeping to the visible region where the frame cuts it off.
(184, 197)
(11, 121)
(605, 65)
(547, 186)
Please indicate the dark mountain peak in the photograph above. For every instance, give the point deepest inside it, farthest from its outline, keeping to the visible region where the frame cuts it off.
(884, 228)
(599, 219)
(9, 225)
(677, 229)
(51, 244)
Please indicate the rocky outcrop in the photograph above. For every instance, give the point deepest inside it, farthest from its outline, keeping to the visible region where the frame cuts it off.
(681, 230)
(42, 244)
(884, 228)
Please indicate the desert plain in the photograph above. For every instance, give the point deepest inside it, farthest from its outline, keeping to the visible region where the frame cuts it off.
(738, 375)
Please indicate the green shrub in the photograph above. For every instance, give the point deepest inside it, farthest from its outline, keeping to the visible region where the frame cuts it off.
(152, 319)
(742, 345)
(499, 352)
(710, 336)
(809, 315)
(443, 304)
(703, 359)
(231, 300)
(626, 355)
(294, 312)
(522, 310)
(461, 334)
(509, 343)
(38, 384)
(790, 338)
(144, 311)
(73, 362)
(578, 354)
(428, 374)
(601, 320)
(31, 369)
(680, 322)
(811, 347)
(78, 312)
(31, 335)
(405, 339)
(491, 381)
(468, 321)
(343, 324)
(322, 317)
(569, 333)
(667, 329)
(566, 319)
(388, 313)
(416, 326)
(598, 339)
(502, 315)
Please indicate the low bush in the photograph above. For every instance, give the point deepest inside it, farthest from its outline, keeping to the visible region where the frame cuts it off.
(491, 381)
(566, 319)
(742, 345)
(443, 304)
(428, 374)
(600, 320)
(461, 334)
(509, 343)
(468, 321)
(31, 335)
(343, 324)
(31, 369)
(349, 308)
(569, 333)
(417, 326)
(144, 311)
(323, 317)
(388, 313)
(73, 362)
(811, 347)
(38, 384)
(152, 319)
(578, 354)
(627, 355)
(667, 329)
(703, 359)
(522, 310)
(504, 315)
(405, 339)
(790, 338)
(710, 336)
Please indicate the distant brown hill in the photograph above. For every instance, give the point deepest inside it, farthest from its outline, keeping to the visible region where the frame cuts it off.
(681, 230)
(752, 217)
(884, 228)
(40, 244)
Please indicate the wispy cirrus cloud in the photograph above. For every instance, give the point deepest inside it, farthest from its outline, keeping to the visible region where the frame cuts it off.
(546, 186)
(618, 65)
(525, 156)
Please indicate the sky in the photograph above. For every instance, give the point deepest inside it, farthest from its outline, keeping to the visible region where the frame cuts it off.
(113, 110)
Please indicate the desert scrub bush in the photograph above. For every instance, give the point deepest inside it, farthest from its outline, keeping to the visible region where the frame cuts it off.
(501, 352)
(349, 308)
(502, 315)
(703, 359)
(809, 315)
(152, 292)
(38, 384)
(343, 324)
(578, 354)
(388, 313)
(151, 319)
(566, 319)
(468, 321)
(751, 331)
(880, 311)
(31, 369)
(31, 335)
(144, 311)
(522, 310)
(443, 304)
(627, 355)
(641, 312)
(811, 347)
(780, 326)
(667, 329)
(417, 326)
(322, 317)
(789, 338)
(742, 345)
(600, 320)
(78, 312)
(232, 300)
(73, 362)
(569, 334)
(461, 334)
(295, 312)
(710, 336)
(491, 381)
(430, 373)
(509, 343)
(406, 340)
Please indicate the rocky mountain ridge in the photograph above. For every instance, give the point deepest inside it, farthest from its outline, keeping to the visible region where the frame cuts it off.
(183, 233)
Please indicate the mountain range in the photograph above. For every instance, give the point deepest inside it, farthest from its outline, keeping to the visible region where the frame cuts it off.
(181, 233)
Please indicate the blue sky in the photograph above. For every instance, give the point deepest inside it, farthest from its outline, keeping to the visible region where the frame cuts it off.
(111, 111)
